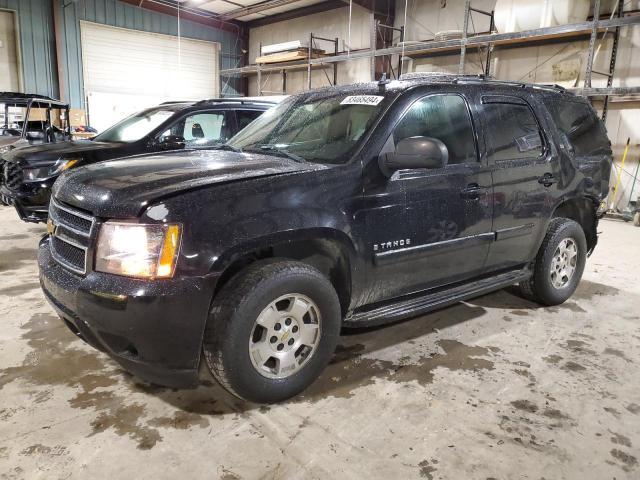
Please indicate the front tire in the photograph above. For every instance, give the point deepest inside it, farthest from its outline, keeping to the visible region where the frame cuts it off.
(272, 330)
(559, 265)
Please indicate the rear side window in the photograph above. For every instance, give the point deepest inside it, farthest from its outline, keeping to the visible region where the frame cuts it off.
(444, 117)
(512, 132)
(579, 126)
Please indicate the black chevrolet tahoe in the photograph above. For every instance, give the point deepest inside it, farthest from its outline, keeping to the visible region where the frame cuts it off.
(342, 207)
(28, 173)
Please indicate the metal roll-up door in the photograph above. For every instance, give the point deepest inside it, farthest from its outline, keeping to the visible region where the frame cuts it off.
(128, 70)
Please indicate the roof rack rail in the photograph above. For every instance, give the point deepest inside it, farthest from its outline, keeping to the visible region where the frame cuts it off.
(443, 75)
(173, 102)
(241, 100)
(539, 86)
(549, 86)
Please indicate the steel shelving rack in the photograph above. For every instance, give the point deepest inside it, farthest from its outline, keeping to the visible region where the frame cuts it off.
(593, 29)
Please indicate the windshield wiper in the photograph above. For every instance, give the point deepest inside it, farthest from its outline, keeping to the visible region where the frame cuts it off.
(274, 150)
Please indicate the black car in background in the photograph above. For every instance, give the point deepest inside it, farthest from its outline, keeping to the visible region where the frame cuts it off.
(348, 206)
(27, 119)
(28, 173)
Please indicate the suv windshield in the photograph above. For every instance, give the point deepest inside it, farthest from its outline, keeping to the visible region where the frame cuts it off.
(324, 130)
(136, 126)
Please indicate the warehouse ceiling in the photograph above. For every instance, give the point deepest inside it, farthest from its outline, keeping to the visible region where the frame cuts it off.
(247, 10)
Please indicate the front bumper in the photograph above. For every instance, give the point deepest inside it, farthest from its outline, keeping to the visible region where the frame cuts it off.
(153, 329)
(31, 201)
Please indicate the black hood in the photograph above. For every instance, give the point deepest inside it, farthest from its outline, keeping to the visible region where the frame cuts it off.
(123, 188)
(50, 152)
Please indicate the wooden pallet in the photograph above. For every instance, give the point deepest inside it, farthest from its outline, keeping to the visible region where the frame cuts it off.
(290, 56)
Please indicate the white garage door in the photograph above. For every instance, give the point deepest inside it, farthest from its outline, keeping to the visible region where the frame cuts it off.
(127, 70)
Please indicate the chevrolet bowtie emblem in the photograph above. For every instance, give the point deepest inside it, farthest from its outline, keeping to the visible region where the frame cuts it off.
(51, 227)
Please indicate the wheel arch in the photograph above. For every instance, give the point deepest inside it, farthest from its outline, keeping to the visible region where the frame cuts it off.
(583, 211)
(330, 251)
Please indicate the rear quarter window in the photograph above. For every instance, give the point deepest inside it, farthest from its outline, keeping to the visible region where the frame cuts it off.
(579, 126)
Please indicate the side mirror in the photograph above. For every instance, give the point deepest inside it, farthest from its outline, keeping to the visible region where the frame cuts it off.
(415, 152)
(171, 142)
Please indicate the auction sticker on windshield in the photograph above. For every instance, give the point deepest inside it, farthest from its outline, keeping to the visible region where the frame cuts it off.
(362, 100)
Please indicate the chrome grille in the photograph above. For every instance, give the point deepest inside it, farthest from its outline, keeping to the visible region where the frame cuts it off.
(12, 175)
(70, 237)
(68, 255)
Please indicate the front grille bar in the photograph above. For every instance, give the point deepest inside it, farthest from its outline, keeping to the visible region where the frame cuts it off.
(64, 262)
(77, 224)
(60, 221)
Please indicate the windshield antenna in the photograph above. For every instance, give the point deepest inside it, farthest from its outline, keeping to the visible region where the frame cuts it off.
(382, 83)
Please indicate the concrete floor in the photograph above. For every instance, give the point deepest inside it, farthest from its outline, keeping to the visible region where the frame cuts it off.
(493, 388)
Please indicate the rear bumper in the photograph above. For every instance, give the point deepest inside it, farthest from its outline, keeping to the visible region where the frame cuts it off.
(153, 329)
(31, 202)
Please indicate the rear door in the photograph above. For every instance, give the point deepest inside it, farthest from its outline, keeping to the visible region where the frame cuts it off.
(524, 165)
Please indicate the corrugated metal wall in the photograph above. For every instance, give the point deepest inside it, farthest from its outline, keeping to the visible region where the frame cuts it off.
(37, 40)
(37, 45)
(119, 14)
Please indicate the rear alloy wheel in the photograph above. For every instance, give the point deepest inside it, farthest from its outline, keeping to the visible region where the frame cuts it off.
(272, 330)
(564, 263)
(558, 267)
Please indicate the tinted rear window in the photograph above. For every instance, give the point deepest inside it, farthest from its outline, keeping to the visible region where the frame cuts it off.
(512, 132)
(579, 126)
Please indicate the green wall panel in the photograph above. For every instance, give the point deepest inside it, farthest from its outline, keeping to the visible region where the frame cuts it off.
(38, 50)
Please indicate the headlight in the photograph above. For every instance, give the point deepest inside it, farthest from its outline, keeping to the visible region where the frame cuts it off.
(136, 250)
(37, 174)
(5, 149)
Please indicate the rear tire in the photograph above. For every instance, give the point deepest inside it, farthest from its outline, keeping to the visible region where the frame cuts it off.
(272, 330)
(559, 265)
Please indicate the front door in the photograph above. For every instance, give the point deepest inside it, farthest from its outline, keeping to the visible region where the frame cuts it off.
(430, 227)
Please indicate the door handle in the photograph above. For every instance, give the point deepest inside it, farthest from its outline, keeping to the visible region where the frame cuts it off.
(472, 191)
(547, 179)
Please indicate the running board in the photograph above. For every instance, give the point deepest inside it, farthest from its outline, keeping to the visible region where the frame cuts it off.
(414, 306)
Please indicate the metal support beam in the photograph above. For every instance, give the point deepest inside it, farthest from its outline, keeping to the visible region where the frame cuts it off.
(400, 56)
(604, 91)
(260, 7)
(463, 40)
(58, 29)
(492, 26)
(335, 65)
(592, 44)
(373, 32)
(309, 61)
(612, 63)
(296, 13)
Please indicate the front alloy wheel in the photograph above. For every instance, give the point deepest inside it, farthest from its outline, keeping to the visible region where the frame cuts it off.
(272, 329)
(285, 336)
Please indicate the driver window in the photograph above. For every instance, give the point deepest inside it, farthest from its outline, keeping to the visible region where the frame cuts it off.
(202, 129)
(444, 117)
